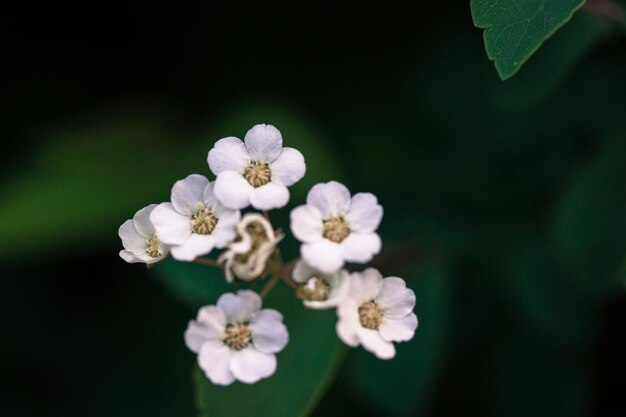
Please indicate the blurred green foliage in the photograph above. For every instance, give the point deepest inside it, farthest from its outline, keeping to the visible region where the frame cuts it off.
(504, 210)
(590, 226)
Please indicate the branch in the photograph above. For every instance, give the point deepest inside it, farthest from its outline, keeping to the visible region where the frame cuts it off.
(607, 9)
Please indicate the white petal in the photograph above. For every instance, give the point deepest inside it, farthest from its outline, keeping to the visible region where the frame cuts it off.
(302, 272)
(373, 342)
(249, 365)
(398, 330)
(196, 245)
(239, 307)
(331, 198)
(227, 259)
(131, 239)
(212, 317)
(188, 194)
(225, 229)
(171, 227)
(209, 198)
(269, 196)
(264, 142)
(129, 257)
(214, 359)
(208, 326)
(395, 298)
(269, 334)
(322, 255)
(232, 190)
(228, 154)
(360, 247)
(288, 168)
(365, 213)
(306, 224)
(142, 222)
(149, 259)
(366, 285)
(348, 323)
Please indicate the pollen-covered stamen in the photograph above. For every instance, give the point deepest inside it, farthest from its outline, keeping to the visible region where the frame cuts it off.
(152, 247)
(203, 221)
(315, 289)
(336, 229)
(237, 336)
(370, 315)
(257, 173)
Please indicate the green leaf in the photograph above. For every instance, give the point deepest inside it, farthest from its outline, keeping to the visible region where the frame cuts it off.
(590, 222)
(403, 385)
(305, 368)
(552, 63)
(84, 181)
(538, 290)
(515, 29)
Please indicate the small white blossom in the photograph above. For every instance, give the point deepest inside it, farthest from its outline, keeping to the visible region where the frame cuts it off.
(335, 228)
(195, 221)
(236, 340)
(318, 290)
(247, 256)
(376, 312)
(256, 172)
(141, 243)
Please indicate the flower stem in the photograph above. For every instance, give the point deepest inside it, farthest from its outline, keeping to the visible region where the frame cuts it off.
(150, 266)
(208, 261)
(270, 284)
(285, 272)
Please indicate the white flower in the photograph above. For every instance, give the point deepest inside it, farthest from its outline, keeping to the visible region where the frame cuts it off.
(256, 172)
(247, 256)
(335, 228)
(376, 312)
(236, 340)
(319, 290)
(141, 244)
(195, 221)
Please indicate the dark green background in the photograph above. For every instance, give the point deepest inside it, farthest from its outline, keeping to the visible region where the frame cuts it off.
(505, 202)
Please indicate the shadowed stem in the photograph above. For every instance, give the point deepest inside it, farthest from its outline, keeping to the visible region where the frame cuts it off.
(607, 9)
(207, 261)
(286, 270)
(270, 284)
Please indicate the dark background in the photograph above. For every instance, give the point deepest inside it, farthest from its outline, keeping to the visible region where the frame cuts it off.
(514, 191)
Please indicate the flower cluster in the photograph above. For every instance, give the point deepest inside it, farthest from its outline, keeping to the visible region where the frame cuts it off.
(236, 339)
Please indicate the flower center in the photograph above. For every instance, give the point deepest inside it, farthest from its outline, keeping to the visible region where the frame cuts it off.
(370, 315)
(152, 247)
(257, 173)
(237, 336)
(203, 221)
(315, 289)
(336, 229)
